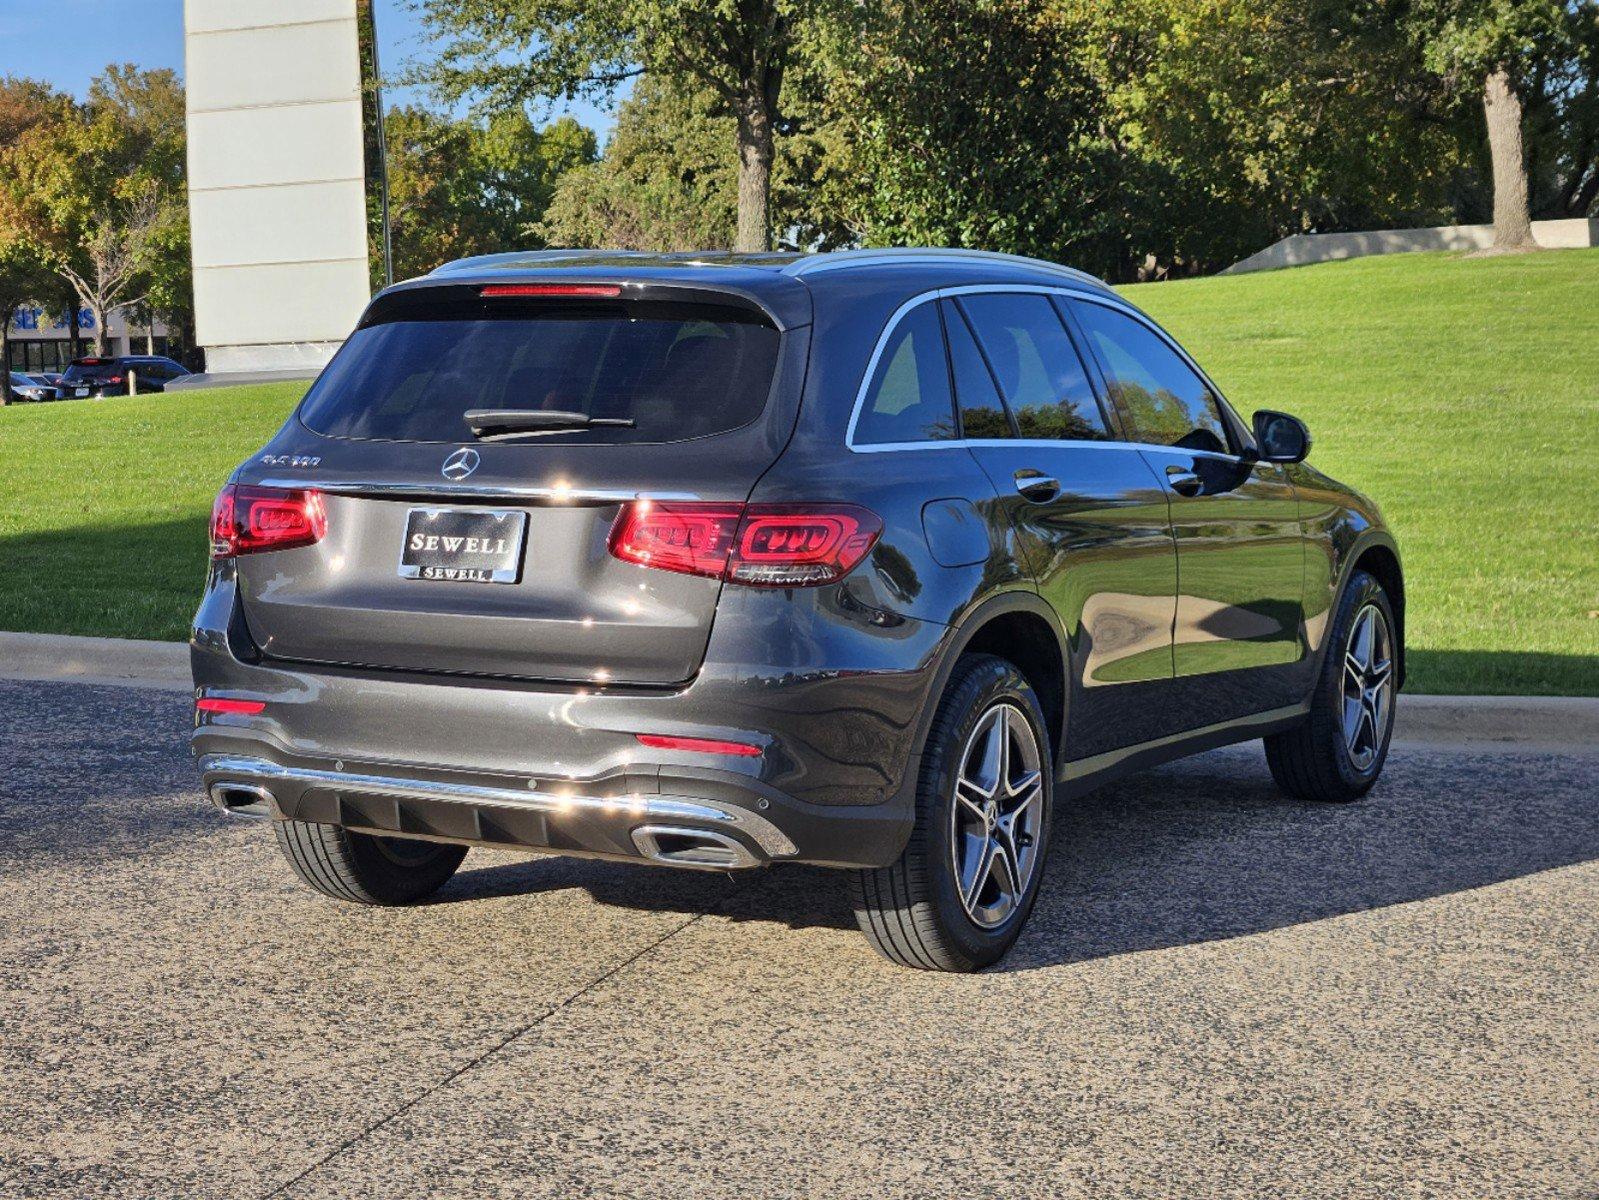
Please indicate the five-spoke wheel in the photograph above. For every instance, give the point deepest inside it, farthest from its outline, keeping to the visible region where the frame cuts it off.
(958, 896)
(1337, 752)
(994, 823)
(1368, 685)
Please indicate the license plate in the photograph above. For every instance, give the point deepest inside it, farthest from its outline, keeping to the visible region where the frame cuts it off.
(80, 393)
(463, 545)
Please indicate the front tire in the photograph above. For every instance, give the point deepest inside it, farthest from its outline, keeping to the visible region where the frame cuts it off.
(363, 869)
(960, 893)
(1338, 751)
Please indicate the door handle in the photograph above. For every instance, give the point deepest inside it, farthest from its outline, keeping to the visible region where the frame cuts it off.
(1036, 486)
(1183, 481)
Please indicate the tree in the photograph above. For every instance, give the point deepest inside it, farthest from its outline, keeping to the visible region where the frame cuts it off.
(1497, 49)
(1232, 123)
(459, 187)
(508, 53)
(1561, 121)
(24, 272)
(1138, 139)
(971, 124)
(24, 276)
(101, 191)
(666, 181)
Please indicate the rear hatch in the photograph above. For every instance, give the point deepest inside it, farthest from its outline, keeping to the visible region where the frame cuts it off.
(487, 553)
(91, 374)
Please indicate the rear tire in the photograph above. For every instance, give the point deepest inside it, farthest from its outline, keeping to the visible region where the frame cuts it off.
(985, 794)
(363, 869)
(1338, 751)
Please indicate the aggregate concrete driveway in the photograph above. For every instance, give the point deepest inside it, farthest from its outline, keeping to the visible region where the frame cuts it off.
(1221, 993)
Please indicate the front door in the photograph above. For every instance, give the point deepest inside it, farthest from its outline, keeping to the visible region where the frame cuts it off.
(1238, 633)
(1090, 515)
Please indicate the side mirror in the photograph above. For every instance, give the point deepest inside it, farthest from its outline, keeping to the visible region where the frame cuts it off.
(1280, 437)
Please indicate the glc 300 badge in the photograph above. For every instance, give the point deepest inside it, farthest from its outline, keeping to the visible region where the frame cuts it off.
(291, 460)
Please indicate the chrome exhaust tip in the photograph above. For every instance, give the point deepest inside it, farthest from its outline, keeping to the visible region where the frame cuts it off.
(698, 849)
(243, 800)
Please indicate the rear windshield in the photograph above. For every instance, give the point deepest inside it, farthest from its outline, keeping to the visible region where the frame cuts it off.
(92, 372)
(676, 371)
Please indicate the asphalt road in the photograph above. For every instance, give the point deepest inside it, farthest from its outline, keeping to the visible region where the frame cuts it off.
(1221, 993)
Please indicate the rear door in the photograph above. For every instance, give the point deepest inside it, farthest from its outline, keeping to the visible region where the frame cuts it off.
(1240, 553)
(1090, 513)
(488, 555)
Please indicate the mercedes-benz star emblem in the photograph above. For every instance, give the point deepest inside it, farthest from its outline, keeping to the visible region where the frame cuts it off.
(461, 464)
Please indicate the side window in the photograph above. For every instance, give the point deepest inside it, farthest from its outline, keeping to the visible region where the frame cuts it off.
(1037, 367)
(1163, 400)
(982, 413)
(909, 397)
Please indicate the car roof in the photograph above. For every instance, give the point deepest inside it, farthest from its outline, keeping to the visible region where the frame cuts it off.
(779, 282)
(785, 262)
(96, 360)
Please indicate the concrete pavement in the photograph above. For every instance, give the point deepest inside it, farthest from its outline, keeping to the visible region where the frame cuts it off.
(1221, 993)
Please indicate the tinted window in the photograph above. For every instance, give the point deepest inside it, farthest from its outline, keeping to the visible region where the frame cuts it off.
(1039, 372)
(676, 371)
(1164, 401)
(96, 372)
(909, 398)
(982, 414)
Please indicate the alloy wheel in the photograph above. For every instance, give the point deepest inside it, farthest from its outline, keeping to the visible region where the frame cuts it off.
(1368, 686)
(997, 818)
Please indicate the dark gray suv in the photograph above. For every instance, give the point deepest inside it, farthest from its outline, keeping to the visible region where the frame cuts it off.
(713, 561)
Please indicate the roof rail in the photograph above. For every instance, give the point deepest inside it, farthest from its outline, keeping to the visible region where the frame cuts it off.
(841, 260)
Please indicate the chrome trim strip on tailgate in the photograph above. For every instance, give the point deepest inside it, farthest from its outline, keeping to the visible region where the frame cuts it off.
(475, 491)
(236, 768)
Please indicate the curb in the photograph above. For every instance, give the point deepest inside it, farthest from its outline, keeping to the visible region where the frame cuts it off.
(115, 661)
(1561, 722)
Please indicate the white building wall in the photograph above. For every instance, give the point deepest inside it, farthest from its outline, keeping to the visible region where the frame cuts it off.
(277, 190)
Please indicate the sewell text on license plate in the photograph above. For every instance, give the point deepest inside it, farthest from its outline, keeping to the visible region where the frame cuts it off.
(463, 545)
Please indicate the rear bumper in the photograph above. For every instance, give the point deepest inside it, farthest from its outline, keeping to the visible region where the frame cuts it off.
(678, 831)
(560, 769)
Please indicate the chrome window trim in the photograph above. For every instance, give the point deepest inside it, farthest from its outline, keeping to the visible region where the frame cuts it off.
(927, 297)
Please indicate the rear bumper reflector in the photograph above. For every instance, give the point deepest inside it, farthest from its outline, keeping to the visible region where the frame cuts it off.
(222, 704)
(657, 741)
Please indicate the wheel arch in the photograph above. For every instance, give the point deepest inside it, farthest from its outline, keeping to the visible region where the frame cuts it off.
(1021, 628)
(1378, 556)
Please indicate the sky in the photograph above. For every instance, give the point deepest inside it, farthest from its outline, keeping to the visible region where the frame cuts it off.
(68, 42)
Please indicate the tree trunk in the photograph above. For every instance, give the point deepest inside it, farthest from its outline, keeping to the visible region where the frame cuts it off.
(755, 150)
(5, 359)
(1502, 107)
(101, 344)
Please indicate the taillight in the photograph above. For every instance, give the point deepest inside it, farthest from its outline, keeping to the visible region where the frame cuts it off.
(112, 379)
(763, 545)
(248, 519)
(510, 291)
(693, 539)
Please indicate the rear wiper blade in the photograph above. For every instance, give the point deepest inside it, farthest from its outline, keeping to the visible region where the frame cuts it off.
(488, 423)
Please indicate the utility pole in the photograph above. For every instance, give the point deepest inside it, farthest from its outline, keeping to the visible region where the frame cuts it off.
(383, 148)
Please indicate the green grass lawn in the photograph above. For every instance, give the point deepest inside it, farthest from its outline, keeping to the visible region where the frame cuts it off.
(1462, 393)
